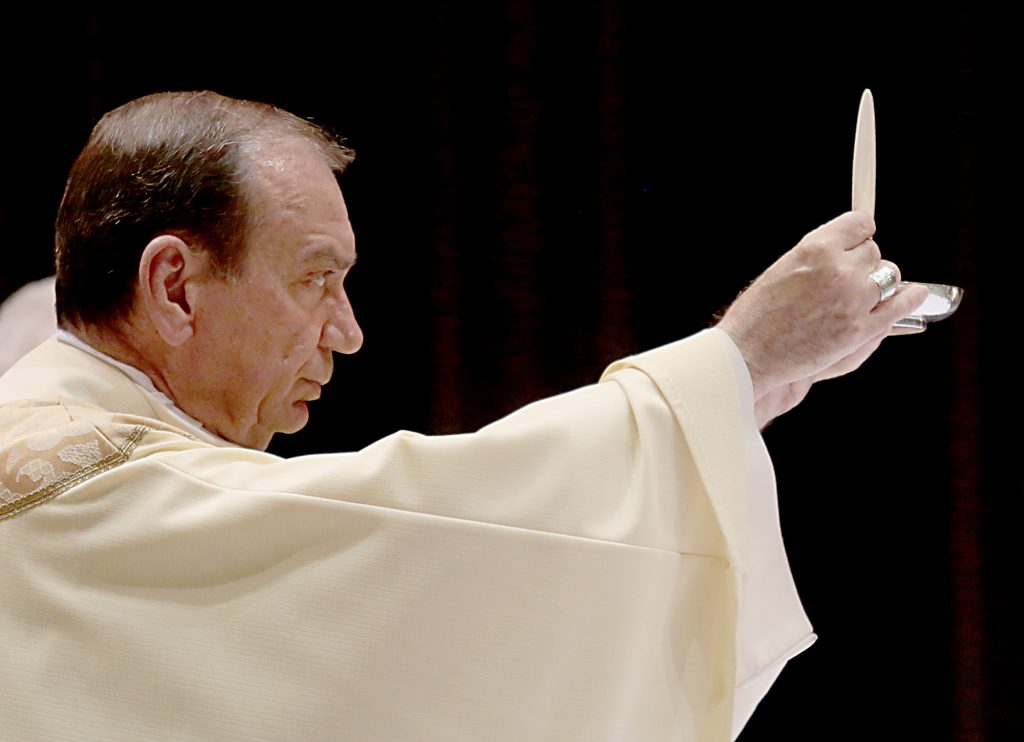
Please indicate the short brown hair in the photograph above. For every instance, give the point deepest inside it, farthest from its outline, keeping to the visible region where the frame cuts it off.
(169, 163)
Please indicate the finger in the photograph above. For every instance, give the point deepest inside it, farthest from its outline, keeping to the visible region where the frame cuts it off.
(897, 330)
(907, 299)
(846, 231)
(890, 264)
(872, 287)
(866, 255)
(864, 289)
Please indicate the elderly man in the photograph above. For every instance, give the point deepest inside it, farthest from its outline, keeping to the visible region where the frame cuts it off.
(604, 565)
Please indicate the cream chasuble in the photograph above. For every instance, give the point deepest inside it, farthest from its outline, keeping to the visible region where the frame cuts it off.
(602, 565)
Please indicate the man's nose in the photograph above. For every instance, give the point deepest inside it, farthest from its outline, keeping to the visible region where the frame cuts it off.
(341, 332)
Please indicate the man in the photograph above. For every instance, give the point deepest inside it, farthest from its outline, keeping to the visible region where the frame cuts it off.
(604, 565)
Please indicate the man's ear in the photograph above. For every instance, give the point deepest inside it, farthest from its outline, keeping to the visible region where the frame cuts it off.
(166, 268)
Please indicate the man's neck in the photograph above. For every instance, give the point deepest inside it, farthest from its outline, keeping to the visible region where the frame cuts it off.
(112, 342)
(85, 341)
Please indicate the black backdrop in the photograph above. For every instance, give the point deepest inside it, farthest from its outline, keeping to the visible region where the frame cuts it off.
(542, 187)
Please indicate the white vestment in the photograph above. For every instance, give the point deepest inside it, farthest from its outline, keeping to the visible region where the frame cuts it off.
(603, 565)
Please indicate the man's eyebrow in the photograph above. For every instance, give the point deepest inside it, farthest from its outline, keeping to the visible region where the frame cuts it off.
(327, 255)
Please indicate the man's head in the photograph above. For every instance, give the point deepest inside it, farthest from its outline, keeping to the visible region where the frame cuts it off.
(170, 163)
(206, 241)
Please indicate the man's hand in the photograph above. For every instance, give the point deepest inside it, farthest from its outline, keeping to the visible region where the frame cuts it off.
(815, 314)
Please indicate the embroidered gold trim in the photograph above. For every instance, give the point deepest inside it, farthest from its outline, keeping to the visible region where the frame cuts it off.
(119, 456)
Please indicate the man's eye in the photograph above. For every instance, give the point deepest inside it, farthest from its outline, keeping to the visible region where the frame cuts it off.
(319, 279)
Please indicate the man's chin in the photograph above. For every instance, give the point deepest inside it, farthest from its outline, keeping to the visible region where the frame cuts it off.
(296, 420)
(293, 421)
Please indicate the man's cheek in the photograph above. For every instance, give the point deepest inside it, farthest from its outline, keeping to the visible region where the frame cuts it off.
(303, 350)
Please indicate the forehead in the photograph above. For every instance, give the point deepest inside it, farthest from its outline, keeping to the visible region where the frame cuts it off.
(296, 210)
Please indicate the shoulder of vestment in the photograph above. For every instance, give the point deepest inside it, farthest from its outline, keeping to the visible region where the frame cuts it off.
(48, 446)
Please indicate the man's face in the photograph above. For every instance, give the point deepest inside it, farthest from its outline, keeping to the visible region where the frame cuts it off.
(264, 338)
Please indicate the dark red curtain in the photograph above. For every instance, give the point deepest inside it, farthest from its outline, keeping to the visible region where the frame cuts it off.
(543, 187)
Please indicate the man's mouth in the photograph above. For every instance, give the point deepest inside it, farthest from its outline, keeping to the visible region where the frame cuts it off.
(311, 390)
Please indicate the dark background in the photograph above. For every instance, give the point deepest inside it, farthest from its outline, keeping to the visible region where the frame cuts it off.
(543, 187)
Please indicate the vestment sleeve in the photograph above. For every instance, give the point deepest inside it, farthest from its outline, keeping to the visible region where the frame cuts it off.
(585, 568)
(737, 473)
